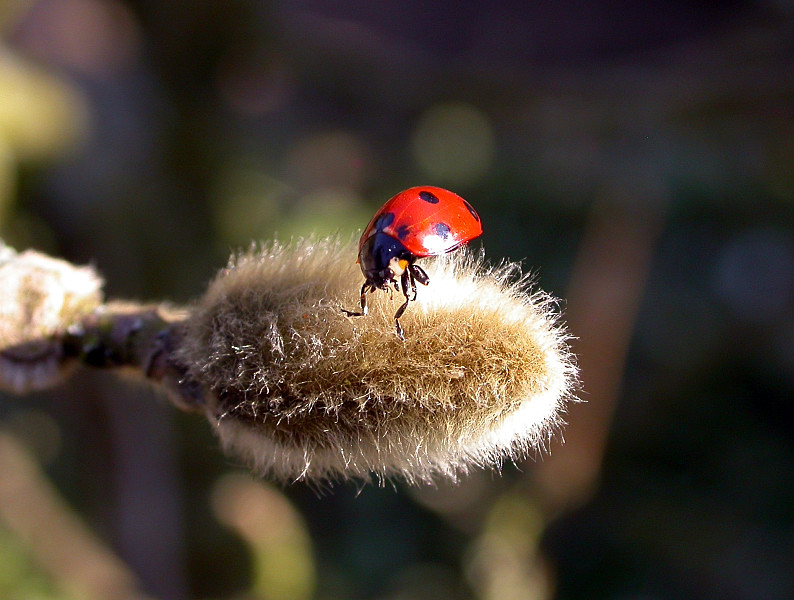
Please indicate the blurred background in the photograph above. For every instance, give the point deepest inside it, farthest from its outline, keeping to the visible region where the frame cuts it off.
(639, 158)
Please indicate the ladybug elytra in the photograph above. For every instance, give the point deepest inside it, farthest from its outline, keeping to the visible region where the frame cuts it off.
(418, 222)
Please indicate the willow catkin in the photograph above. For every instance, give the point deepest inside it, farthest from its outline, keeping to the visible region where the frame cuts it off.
(40, 297)
(302, 391)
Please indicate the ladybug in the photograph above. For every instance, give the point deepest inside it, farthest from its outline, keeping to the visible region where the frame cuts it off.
(418, 222)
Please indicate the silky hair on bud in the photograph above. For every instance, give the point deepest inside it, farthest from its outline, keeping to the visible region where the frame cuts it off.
(301, 391)
(40, 298)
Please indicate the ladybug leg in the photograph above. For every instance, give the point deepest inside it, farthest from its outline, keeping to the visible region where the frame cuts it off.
(408, 285)
(397, 316)
(409, 291)
(418, 274)
(365, 289)
(408, 281)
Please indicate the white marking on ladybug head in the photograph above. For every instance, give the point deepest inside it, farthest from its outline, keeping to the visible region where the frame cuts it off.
(398, 266)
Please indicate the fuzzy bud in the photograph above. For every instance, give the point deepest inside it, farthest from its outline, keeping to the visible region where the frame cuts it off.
(40, 298)
(302, 391)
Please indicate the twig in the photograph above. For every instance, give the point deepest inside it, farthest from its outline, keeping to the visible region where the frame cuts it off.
(295, 387)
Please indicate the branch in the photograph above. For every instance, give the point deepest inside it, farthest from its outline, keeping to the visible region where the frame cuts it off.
(295, 387)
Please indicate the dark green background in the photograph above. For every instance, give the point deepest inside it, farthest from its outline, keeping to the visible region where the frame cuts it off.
(214, 123)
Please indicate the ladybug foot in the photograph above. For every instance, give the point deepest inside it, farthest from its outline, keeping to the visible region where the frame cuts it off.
(365, 289)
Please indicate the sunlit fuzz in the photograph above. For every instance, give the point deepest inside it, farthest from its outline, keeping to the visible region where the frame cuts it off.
(302, 391)
(40, 298)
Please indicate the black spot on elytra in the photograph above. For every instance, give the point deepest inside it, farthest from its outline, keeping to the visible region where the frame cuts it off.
(471, 210)
(384, 221)
(428, 197)
(403, 231)
(442, 230)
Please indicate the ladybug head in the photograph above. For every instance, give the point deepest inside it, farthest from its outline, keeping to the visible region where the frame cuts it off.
(383, 259)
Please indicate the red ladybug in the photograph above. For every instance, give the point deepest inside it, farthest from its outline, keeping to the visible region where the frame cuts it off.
(418, 222)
